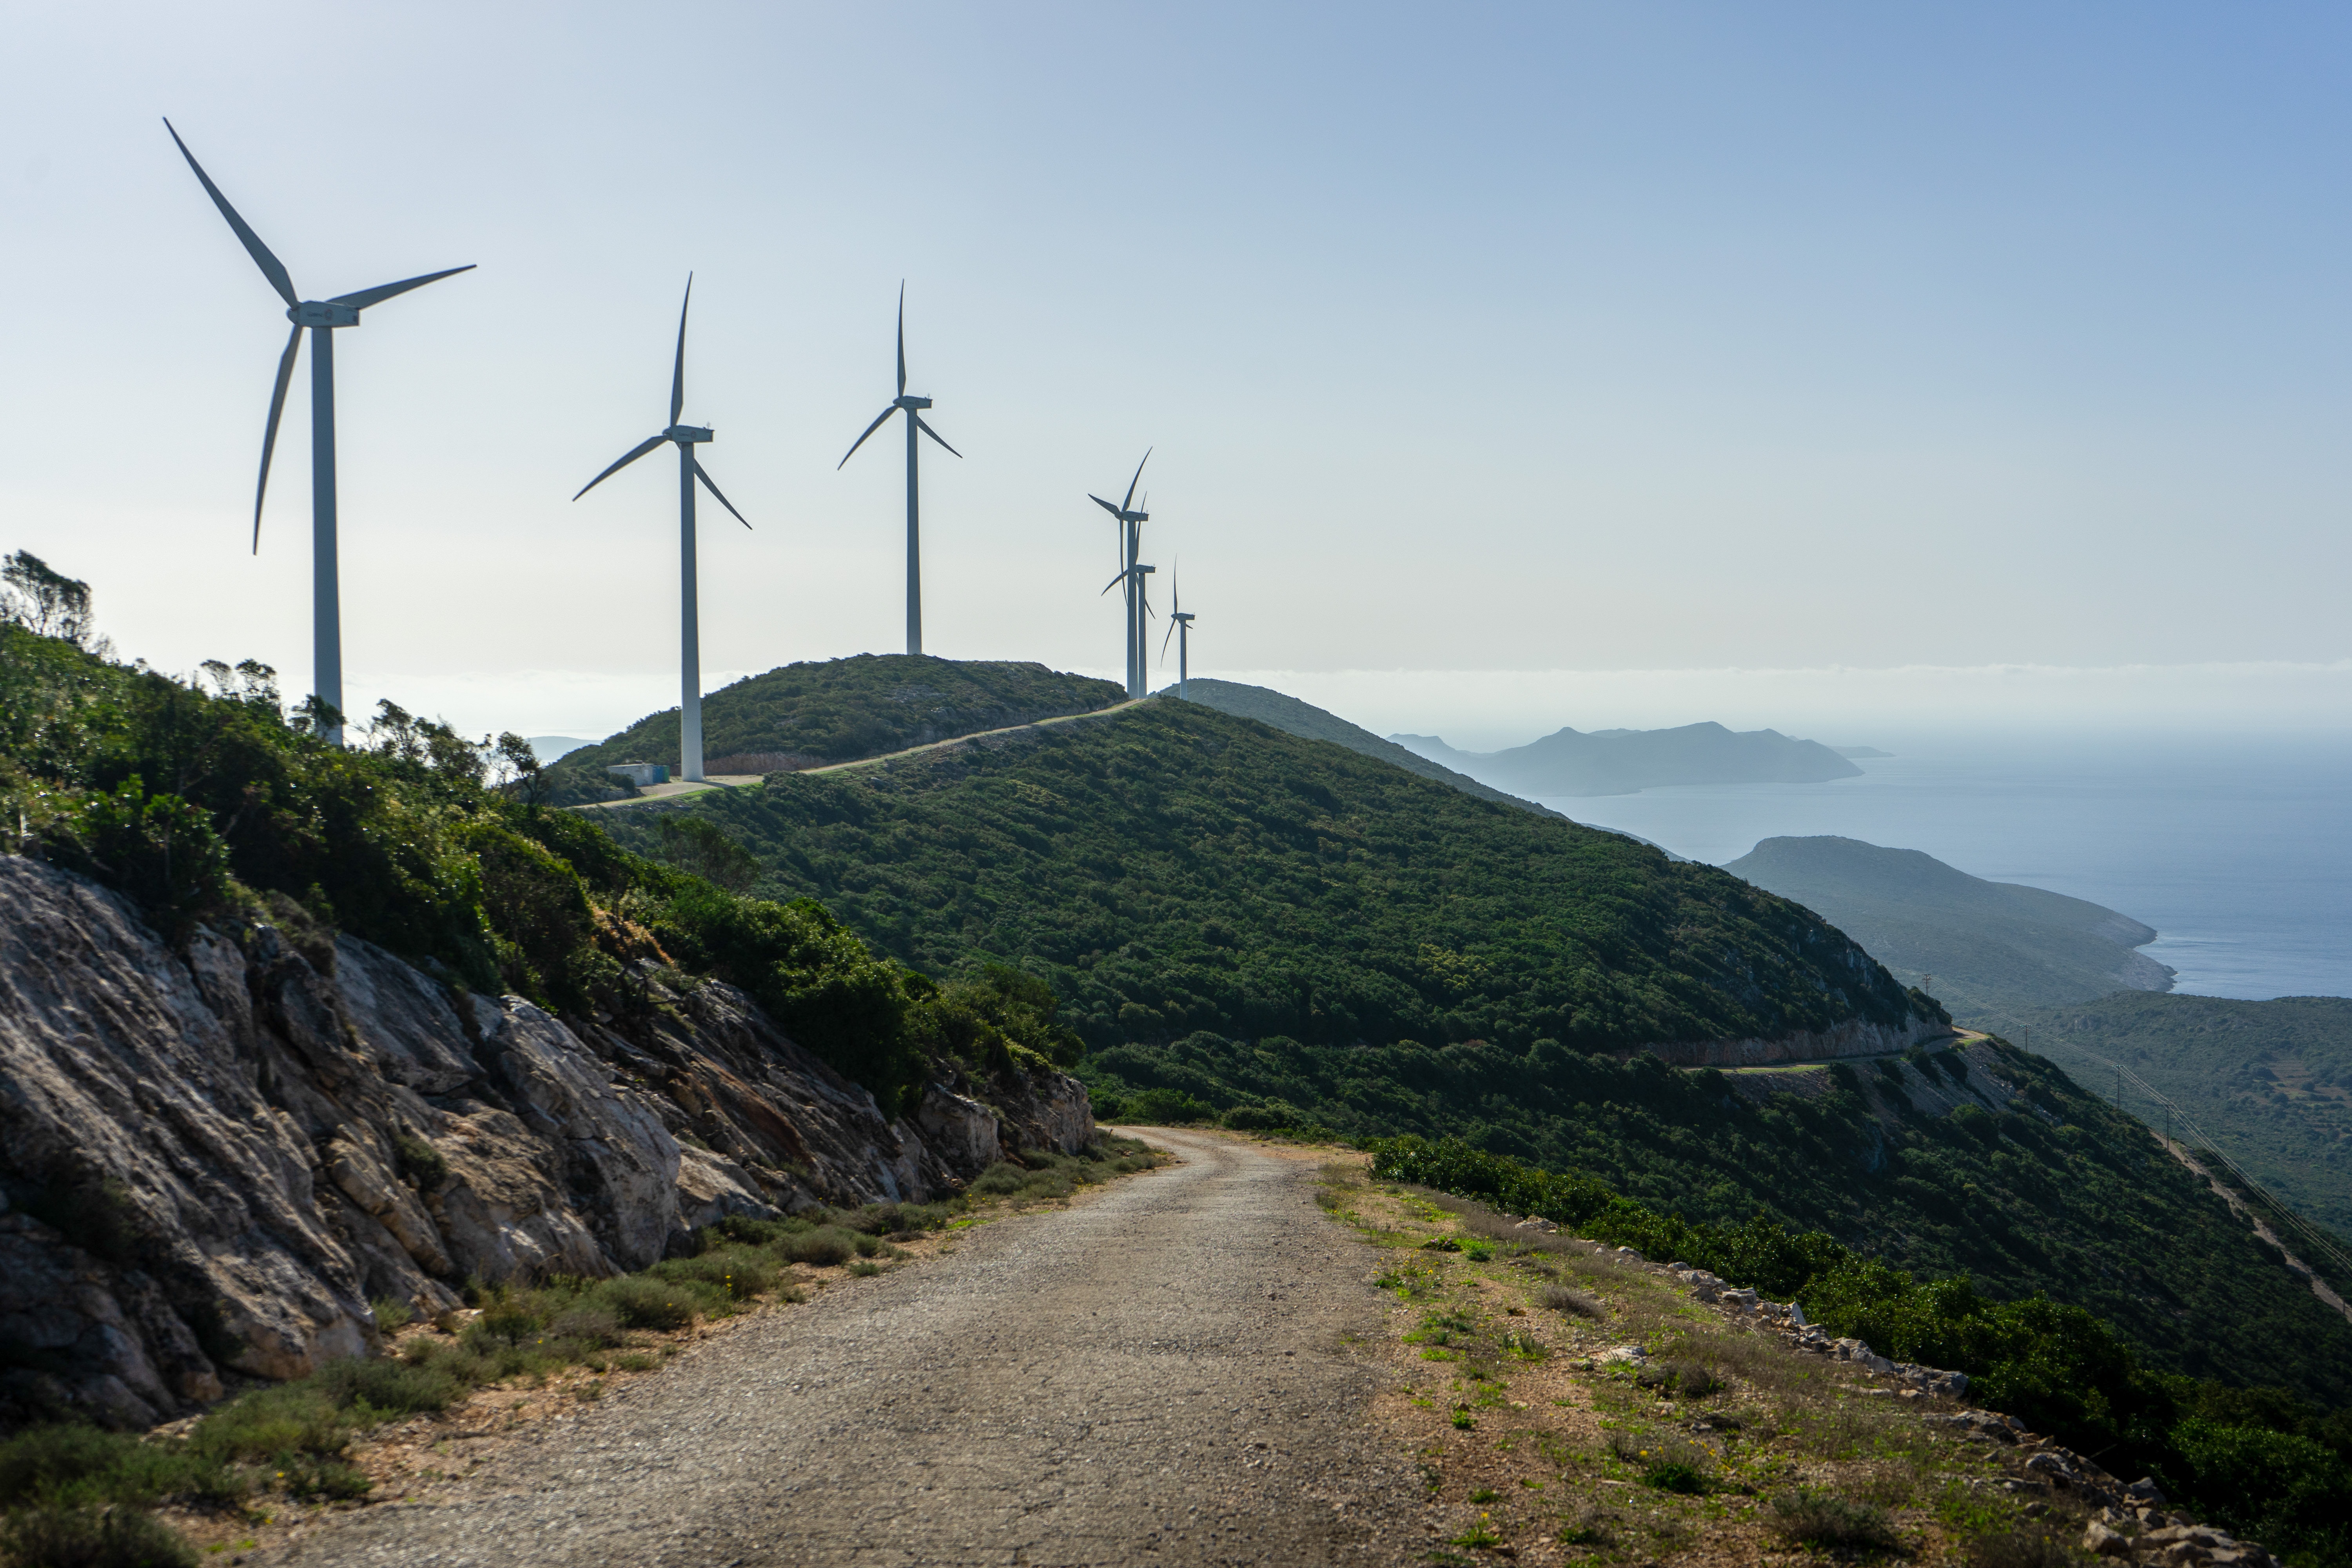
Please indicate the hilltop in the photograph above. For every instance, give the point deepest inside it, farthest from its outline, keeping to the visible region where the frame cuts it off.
(1305, 719)
(1621, 762)
(1247, 924)
(1993, 947)
(839, 709)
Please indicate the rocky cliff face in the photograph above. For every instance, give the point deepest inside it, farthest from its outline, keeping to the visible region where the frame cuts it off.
(214, 1157)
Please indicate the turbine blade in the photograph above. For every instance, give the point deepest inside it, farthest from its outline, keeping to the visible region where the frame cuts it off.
(861, 440)
(902, 336)
(1166, 640)
(382, 291)
(1129, 502)
(677, 373)
(1114, 583)
(640, 450)
(269, 436)
(921, 424)
(271, 267)
(1104, 504)
(703, 475)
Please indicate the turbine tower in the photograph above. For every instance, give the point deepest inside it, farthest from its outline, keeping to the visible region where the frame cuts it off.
(915, 422)
(1130, 521)
(1179, 626)
(324, 318)
(689, 631)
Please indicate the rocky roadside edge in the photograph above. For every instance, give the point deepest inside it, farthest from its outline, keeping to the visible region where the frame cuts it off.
(1531, 1422)
(417, 1458)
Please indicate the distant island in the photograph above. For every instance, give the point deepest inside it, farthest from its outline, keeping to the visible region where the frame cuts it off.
(1864, 752)
(1621, 762)
(1992, 946)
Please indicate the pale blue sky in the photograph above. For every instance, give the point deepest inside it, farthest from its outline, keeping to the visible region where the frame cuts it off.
(1559, 339)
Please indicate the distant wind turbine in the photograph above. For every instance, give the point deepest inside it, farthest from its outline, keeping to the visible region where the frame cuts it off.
(1130, 520)
(323, 317)
(915, 422)
(1179, 626)
(689, 632)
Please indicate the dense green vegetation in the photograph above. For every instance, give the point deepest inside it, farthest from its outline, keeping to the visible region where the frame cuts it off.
(216, 805)
(840, 710)
(2270, 1082)
(2258, 1461)
(1171, 868)
(1287, 713)
(1992, 946)
(1246, 924)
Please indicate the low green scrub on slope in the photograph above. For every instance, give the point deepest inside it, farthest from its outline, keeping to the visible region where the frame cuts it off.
(1171, 868)
(2260, 1461)
(840, 710)
(215, 805)
(2270, 1082)
(1280, 930)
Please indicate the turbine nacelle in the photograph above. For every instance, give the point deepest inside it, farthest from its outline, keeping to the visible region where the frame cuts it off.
(902, 401)
(322, 313)
(689, 435)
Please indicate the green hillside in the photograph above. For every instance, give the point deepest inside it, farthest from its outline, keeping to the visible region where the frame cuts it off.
(2270, 1082)
(840, 710)
(1287, 713)
(1992, 946)
(1244, 921)
(1170, 869)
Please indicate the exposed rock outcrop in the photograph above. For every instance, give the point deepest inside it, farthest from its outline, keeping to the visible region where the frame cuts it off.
(212, 1158)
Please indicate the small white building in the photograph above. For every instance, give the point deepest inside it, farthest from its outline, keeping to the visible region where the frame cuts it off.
(638, 774)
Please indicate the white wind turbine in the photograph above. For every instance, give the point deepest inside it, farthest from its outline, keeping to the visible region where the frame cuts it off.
(1179, 626)
(690, 633)
(912, 406)
(324, 318)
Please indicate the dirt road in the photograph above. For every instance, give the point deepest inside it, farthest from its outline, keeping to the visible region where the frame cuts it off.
(1163, 1375)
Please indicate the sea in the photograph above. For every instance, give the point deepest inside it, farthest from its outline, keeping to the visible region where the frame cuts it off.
(2238, 850)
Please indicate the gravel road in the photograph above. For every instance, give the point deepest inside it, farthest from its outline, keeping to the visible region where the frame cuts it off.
(1161, 1375)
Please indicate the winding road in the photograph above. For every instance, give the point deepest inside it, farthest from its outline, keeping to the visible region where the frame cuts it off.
(1162, 1374)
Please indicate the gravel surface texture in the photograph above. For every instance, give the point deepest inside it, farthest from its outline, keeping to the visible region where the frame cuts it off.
(1167, 1372)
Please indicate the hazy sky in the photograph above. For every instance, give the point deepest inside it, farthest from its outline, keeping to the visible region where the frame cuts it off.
(1644, 351)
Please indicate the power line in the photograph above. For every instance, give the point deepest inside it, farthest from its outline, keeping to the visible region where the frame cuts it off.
(2313, 1238)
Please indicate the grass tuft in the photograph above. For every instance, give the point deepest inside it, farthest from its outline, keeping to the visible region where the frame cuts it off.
(1818, 1519)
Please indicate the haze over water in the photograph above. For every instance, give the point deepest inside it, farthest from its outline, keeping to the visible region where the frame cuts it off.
(2238, 851)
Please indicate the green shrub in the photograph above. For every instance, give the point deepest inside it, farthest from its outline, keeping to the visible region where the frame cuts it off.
(1818, 1519)
(642, 1303)
(1168, 1108)
(58, 1537)
(826, 1247)
(740, 1273)
(388, 1387)
(2028, 1546)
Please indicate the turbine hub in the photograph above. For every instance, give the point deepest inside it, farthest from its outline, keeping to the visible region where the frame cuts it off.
(321, 313)
(905, 402)
(689, 435)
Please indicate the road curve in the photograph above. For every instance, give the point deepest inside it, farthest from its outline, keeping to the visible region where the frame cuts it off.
(1161, 1375)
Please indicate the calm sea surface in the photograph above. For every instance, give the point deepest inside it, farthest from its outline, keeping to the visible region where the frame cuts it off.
(2239, 853)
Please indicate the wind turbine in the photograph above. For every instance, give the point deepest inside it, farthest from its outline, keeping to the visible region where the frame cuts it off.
(1179, 626)
(324, 318)
(1130, 521)
(689, 631)
(915, 422)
